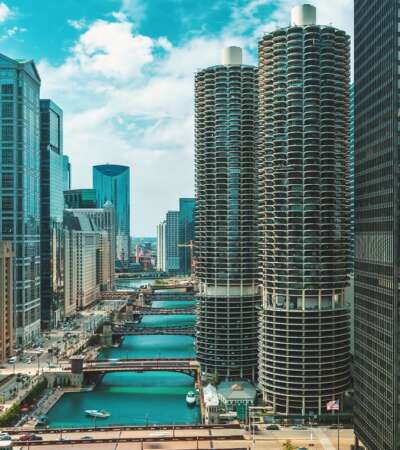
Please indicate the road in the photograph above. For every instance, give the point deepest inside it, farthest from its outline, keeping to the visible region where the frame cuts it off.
(320, 438)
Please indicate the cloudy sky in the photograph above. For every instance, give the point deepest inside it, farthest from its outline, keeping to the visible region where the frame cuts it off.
(122, 70)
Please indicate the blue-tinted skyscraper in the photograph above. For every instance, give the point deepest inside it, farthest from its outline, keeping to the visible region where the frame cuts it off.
(112, 184)
(80, 198)
(351, 176)
(54, 180)
(19, 188)
(186, 233)
(172, 241)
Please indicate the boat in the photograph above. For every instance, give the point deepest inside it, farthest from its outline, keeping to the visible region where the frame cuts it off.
(191, 398)
(98, 413)
(43, 420)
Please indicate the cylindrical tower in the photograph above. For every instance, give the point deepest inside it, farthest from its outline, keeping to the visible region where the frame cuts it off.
(304, 215)
(226, 237)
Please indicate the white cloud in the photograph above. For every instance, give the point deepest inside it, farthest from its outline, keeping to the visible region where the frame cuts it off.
(5, 12)
(134, 9)
(120, 16)
(11, 32)
(127, 102)
(77, 24)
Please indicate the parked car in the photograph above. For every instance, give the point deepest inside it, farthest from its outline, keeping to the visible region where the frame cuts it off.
(5, 437)
(272, 427)
(30, 437)
(87, 438)
(299, 427)
(12, 360)
(336, 426)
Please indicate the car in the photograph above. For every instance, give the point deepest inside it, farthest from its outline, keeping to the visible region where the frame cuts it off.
(272, 427)
(336, 426)
(299, 427)
(5, 437)
(12, 360)
(30, 437)
(302, 448)
(86, 438)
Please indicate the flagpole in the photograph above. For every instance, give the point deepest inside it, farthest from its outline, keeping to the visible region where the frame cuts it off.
(338, 428)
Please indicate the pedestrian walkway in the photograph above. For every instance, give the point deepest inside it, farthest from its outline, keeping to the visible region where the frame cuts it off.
(323, 439)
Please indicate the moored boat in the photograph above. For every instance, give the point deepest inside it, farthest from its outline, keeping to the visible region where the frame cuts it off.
(191, 398)
(98, 413)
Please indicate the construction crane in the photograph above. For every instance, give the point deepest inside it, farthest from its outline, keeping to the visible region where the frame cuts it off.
(192, 259)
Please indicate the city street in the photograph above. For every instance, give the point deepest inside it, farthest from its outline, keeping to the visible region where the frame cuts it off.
(315, 439)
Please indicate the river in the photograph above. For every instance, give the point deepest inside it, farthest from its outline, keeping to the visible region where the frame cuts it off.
(153, 398)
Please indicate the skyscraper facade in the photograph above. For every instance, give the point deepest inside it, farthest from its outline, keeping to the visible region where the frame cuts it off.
(226, 229)
(172, 241)
(80, 198)
(304, 216)
(104, 221)
(376, 265)
(82, 262)
(186, 234)
(161, 250)
(19, 189)
(351, 176)
(54, 180)
(112, 184)
(7, 330)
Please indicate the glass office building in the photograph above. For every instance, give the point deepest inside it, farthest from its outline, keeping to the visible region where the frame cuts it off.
(112, 184)
(226, 241)
(377, 234)
(20, 189)
(186, 234)
(80, 198)
(172, 241)
(54, 180)
(304, 73)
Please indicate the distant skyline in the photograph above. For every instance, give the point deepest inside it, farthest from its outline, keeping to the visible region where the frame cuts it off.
(123, 76)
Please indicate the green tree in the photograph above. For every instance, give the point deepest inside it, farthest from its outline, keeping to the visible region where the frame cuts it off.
(288, 446)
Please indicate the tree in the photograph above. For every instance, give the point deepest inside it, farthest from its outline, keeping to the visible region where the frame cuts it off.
(288, 446)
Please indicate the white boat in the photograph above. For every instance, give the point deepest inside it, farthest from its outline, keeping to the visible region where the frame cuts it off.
(98, 413)
(191, 398)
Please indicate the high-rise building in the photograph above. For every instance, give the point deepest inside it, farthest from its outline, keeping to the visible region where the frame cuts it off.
(377, 236)
(351, 176)
(304, 216)
(172, 241)
(19, 188)
(112, 184)
(226, 240)
(54, 180)
(7, 330)
(104, 220)
(80, 198)
(186, 233)
(161, 250)
(87, 260)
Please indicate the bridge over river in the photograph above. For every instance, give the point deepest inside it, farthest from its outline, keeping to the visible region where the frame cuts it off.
(180, 331)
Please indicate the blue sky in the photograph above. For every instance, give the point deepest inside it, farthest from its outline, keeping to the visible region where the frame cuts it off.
(122, 70)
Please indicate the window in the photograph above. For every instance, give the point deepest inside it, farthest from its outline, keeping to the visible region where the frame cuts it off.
(7, 132)
(7, 109)
(7, 88)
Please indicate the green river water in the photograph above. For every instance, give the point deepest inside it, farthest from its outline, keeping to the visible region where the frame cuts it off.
(135, 398)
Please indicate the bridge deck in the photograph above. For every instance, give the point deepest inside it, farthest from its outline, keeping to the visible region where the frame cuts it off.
(140, 365)
(160, 331)
(149, 311)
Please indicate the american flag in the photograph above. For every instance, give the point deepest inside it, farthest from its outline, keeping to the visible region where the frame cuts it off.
(333, 405)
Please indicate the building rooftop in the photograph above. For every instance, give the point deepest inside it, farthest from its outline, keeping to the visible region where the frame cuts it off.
(210, 396)
(236, 390)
